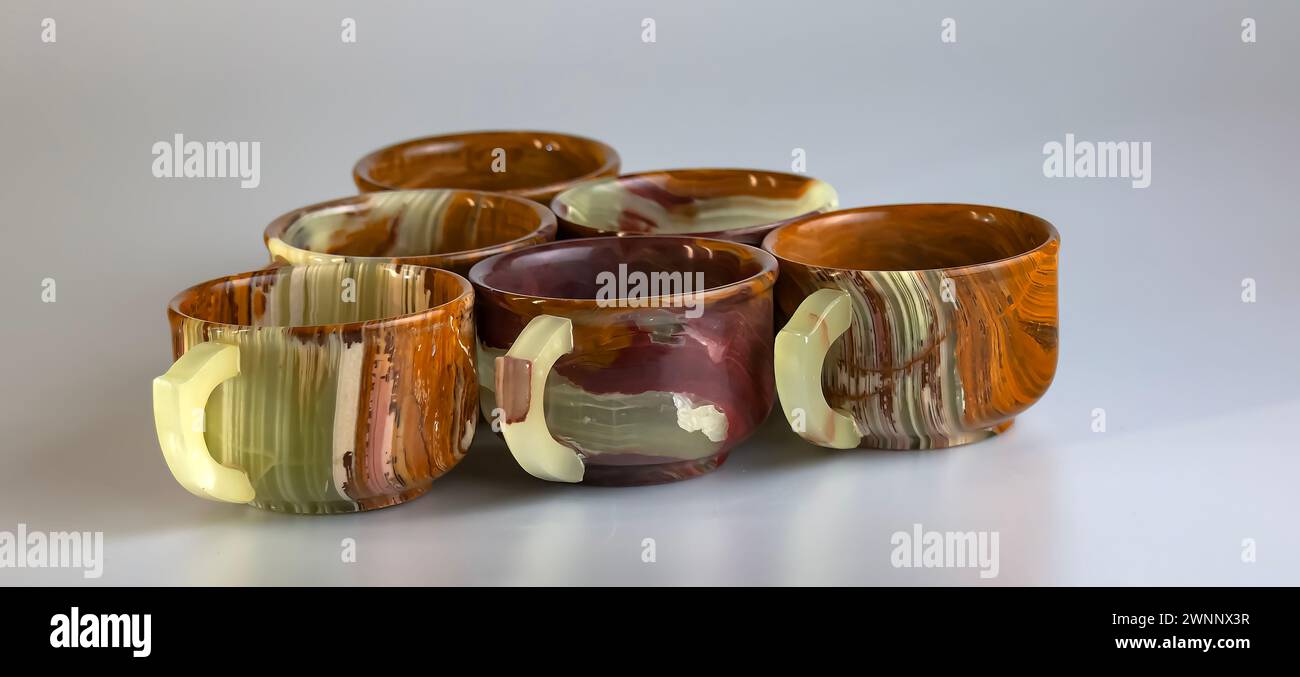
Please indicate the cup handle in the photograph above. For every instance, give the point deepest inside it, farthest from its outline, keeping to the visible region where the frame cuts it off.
(179, 399)
(800, 350)
(520, 385)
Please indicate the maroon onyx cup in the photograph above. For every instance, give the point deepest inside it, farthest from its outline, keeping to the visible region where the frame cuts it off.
(631, 360)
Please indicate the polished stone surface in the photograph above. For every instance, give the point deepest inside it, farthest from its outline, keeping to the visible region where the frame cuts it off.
(1199, 388)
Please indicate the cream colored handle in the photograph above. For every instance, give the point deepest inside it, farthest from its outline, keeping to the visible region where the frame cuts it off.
(179, 399)
(520, 386)
(801, 349)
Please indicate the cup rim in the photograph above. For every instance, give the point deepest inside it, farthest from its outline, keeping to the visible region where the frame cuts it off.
(361, 170)
(768, 266)
(559, 203)
(466, 289)
(1053, 236)
(547, 226)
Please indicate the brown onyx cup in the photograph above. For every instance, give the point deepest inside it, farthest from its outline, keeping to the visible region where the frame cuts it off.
(323, 388)
(625, 361)
(741, 205)
(449, 229)
(914, 326)
(527, 164)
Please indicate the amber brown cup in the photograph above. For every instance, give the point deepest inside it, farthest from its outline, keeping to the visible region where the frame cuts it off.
(741, 205)
(916, 326)
(449, 229)
(592, 383)
(527, 164)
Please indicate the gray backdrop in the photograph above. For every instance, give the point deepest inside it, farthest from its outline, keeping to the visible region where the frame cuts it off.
(1199, 387)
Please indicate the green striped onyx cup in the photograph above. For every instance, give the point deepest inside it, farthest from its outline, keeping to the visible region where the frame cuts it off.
(321, 388)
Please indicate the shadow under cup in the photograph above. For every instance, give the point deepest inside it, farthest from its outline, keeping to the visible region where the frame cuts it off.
(333, 387)
(948, 318)
(625, 361)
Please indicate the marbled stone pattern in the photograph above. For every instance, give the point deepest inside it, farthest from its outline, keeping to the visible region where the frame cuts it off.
(339, 406)
(921, 367)
(450, 229)
(741, 205)
(647, 394)
(529, 164)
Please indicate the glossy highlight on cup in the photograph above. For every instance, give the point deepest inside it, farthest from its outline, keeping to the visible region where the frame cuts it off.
(320, 388)
(915, 326)
(741, 205)
(528, 164)
(606, 387)
(449, 229)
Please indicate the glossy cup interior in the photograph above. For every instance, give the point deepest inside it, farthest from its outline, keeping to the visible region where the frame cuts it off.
(651, 390)
(314, 299)
(572, 269)
(452, 229)
(355, 386)
(911, 237)
(733, 204)
(534, 165)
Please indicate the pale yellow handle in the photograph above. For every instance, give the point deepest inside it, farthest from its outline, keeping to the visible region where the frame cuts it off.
(801, 349)
(520, 385)
(179, 399)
